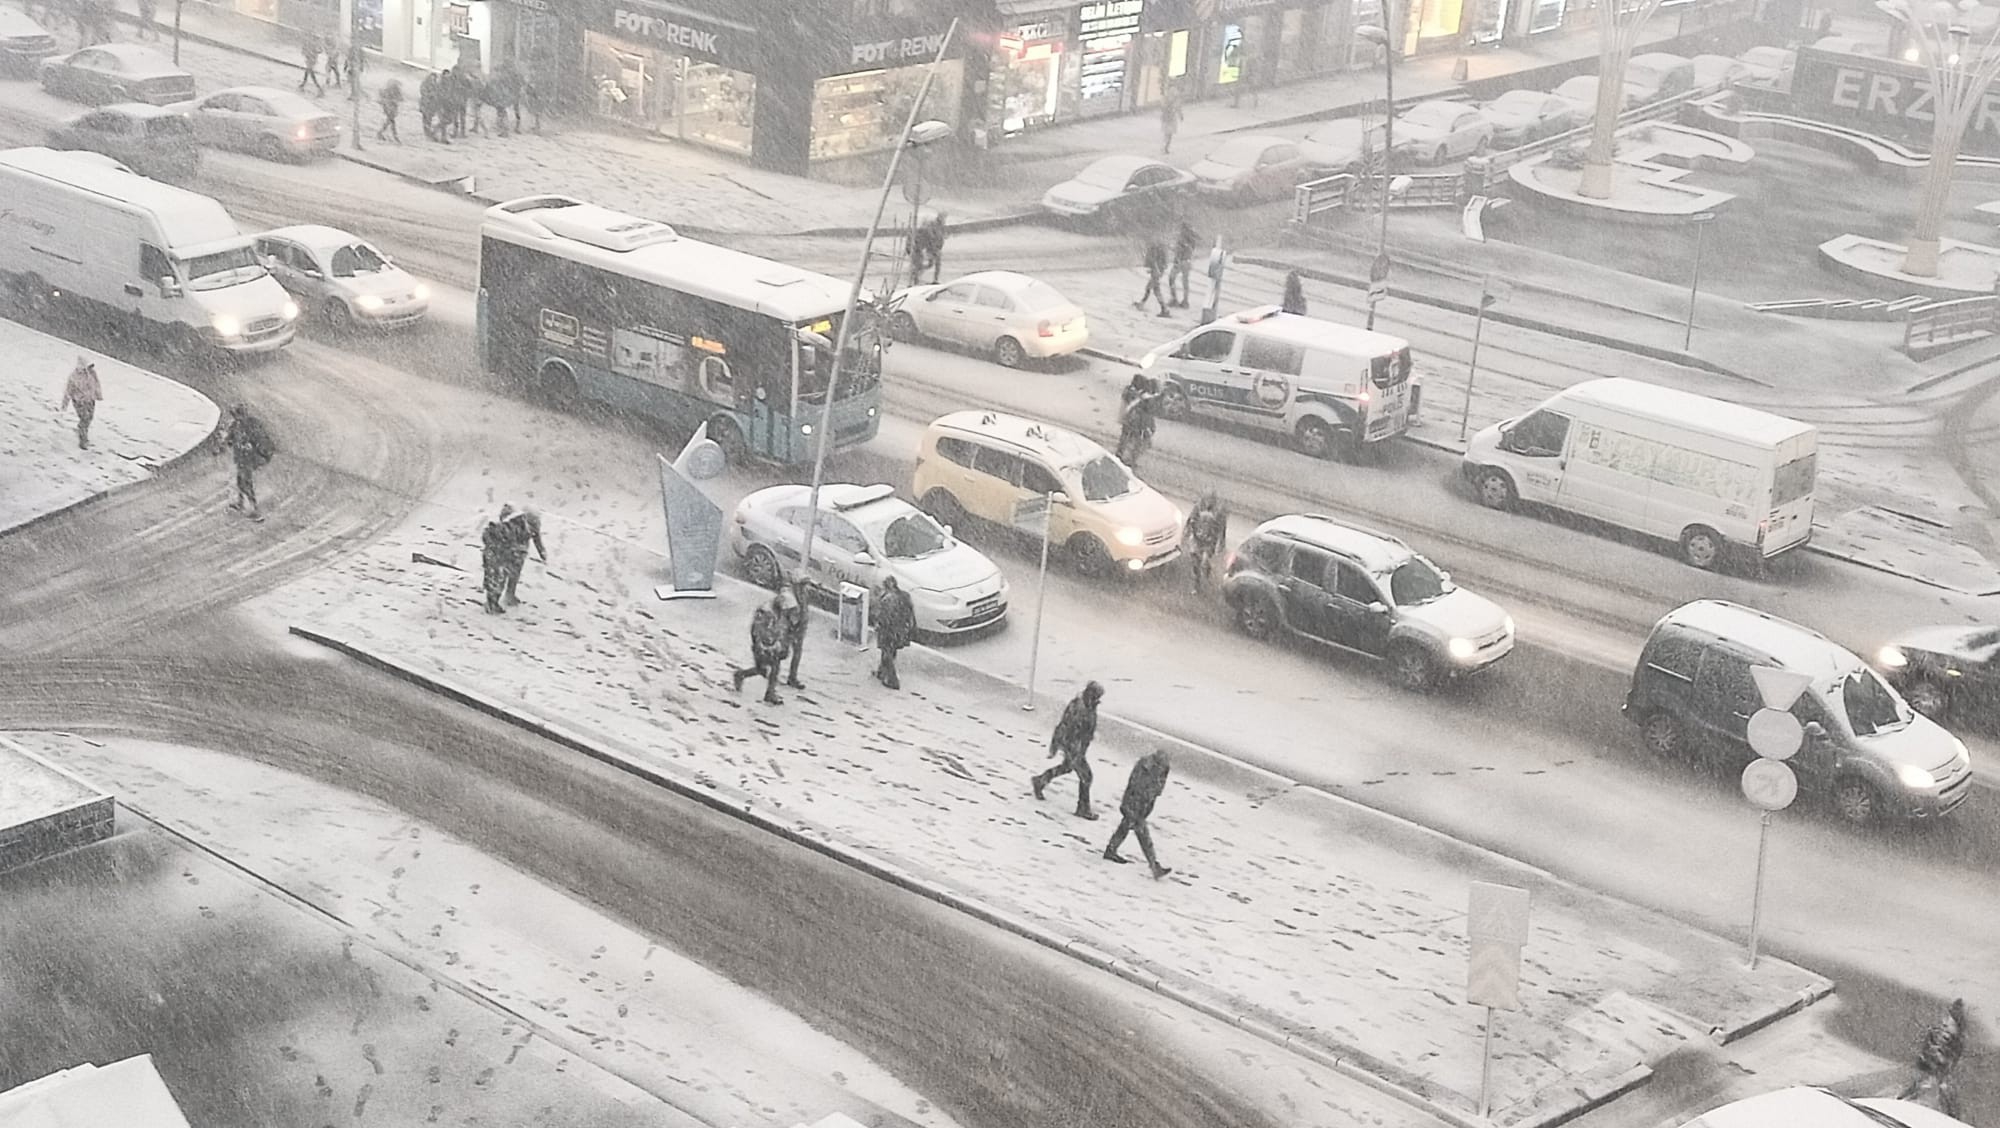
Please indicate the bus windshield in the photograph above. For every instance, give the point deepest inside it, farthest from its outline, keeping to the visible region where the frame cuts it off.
(861, 370)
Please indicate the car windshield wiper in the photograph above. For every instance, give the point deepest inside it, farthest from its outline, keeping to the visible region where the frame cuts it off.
(1875, 1114)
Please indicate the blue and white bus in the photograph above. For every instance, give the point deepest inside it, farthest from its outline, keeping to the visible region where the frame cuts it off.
(583, 301)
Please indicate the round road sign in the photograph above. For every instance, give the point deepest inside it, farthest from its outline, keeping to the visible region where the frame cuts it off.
(1775, 734)
(1769, 785)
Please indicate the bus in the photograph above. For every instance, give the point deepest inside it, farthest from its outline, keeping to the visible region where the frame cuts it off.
(581, 301)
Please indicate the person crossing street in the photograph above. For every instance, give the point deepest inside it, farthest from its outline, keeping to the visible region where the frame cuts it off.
(895, 625)
(250, 446)
(83, 391)
(1156, 276)
(1071, 741)
(1206, 534)
(1142, 790)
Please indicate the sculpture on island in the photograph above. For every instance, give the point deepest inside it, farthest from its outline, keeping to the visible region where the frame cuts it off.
(1961, 66)
(694, 523)
(1618, 29)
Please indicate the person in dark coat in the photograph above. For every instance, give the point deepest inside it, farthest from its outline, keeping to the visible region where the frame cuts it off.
(523, 529)
(795, 628)
(82, 391)
(430, 108)
(895, 627)
(390, 98)
(1177, 278)
(1294, 300)
(495, 547)
(767, 646)
(1137, 408)
(250, 447)
(1206, 533)
(309, 52)
(1156, 277)
(1071, 741)
(1938, 1051)
(1142, 790)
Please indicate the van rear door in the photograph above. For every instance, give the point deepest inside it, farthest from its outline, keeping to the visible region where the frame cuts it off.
(1789, 521)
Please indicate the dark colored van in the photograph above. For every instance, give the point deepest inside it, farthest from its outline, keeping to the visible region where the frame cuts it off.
(1867, 753)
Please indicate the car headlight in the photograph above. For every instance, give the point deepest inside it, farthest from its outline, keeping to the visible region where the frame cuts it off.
(1892, 658)
(1146, 361)
(226, 325)
(1131, 537)
(290, 310)
(1134, 565)
(421, 292)
(1461, 648)
(1913, 776)
(368, 302)
(1507, 623)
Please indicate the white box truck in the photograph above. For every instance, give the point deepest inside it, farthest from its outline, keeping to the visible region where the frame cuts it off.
(146, 256)
(1705, 473)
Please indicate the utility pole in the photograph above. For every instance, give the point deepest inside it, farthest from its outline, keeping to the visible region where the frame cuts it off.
(353, 69)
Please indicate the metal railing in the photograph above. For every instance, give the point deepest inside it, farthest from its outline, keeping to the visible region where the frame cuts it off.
(1346, 190)
(1950, 322)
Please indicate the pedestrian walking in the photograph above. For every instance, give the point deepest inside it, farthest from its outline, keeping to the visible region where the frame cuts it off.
(1142, 790)
(795, 628)
(1177, 278)
(1294, 300)
(1206, 533)
(895, 626)
(1156, 274)
(1071, 741)
(495, 548)
(927, 249)
(251, 448)
(767, 646)
(149, 24)
(390, 98)
(309, 52)
(1137, 407)
(1170, 121)
(336, 56)
(82, 391)
(356, 59)
(1938, 1051)
(430, 107)
(523, 529)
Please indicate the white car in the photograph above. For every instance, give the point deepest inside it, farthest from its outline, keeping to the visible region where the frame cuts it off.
(1120, 188)
(866, 534)
(1771, 66)
(1581, 92)
(1012, 315)
(341, 278)
(1343, 145)
(1521, 116)
(1718, 71)
(1251, 167)
(1438, 131)
(1803, 1106)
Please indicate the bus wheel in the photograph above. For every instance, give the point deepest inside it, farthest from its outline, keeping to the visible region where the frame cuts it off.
(1008, 353)
(1701, 546)
(557, 382)
(729, 436)
(1315, 438)
(760, 564)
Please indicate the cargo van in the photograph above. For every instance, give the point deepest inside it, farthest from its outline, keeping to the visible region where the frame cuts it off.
(161, 260)
(1707, 474)
(1865, 751)
(1329, 388)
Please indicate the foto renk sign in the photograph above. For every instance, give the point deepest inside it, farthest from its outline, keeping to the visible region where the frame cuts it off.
(1886, 97)
(681, 31)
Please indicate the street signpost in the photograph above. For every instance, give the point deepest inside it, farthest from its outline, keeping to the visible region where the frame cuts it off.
(1490, 292)
(1378, 282)
(1775, 735)
(1701, 221)
(1496, 922)
(1031, 515)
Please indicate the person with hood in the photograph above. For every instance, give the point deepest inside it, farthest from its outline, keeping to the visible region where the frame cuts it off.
(895, 627)
(1136, 406)
(250, 446)
(795, 627)
(1156, 276)
(430, 108)
(767, 645)
(1294, 300)
(495, 547)
(1177, 278)
(390, 98)
(523, 527)
(1206, 533)
(1071, 741)
(1938, 1051)
(1142, 790)
(83, 392)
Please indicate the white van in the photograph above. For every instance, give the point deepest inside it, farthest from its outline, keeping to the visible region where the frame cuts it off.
(1703, 472)
(1329, 387)
(160, 259)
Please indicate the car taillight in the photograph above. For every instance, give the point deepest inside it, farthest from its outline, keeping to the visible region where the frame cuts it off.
(1045, 329)
(1229, 563)
(1364, 397)
(304, 133)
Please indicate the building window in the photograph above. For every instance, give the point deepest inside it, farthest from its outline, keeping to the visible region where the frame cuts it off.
(675, 95)
(861, 113)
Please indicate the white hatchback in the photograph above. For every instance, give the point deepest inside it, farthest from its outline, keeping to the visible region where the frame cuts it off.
(867, 534)
(341, 278)
(1011, 315)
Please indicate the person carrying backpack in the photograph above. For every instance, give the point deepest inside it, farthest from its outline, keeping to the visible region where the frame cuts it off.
(249, 444)
(1207, 531)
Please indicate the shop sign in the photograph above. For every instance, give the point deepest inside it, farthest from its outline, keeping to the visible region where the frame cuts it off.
(532, 5)
(1885, 97)
(896, 52)
(682, 32)
(1247, 5)
(1045, 29)
(1105, 18)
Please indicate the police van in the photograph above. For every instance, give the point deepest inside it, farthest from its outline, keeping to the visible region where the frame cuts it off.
(1330, 388)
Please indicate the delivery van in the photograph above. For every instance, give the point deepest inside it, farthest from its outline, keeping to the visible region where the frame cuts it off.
(1710, 475)
(1329, 388)
(150, 257)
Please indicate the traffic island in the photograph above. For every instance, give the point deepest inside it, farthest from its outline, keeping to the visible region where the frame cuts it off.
(45, 810)
(1964, 269)
(1647, 175)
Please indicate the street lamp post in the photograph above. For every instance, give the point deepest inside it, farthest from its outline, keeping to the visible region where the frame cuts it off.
(354, 72)
(1618, 29)
(1390, 48)
(823, 437)
(1961, 67)
(1700, 222)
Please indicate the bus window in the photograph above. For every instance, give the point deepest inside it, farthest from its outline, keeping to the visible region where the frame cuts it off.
(717, 380)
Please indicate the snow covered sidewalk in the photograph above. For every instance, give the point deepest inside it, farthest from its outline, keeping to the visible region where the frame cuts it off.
(145, 421)
(1311, 915)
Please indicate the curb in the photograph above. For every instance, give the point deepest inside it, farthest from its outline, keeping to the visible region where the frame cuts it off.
(744, 811)
(165, 465)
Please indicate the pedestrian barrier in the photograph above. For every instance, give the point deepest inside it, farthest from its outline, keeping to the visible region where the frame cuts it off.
(1936, 326)
(1345, 190)
(1473, 222)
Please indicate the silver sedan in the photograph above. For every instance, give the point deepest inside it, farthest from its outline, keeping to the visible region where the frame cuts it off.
(274, 124)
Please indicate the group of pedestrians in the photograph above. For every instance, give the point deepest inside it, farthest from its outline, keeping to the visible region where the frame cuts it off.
(1070, 743)
(778, 632)
(503, 554)
(1167, 273)
(342, 62)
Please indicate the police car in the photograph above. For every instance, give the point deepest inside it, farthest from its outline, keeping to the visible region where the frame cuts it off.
(866, 534)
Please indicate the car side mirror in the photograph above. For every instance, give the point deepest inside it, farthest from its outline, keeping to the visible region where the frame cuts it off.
(309, 272)
(1815, 730)
(169, 287)
(1378, 608)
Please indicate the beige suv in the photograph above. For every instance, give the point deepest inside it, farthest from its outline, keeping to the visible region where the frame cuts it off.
(995, 468)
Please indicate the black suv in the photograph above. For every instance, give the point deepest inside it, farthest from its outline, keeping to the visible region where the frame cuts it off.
(1314, 577)
(1941, 670)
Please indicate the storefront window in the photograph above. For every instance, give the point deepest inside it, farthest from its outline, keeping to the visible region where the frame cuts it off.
(368, 17)
(676, 95)
(1545, 15)
(1026, 83)
(1440, 19)
(1105, 30)
(865, 112)
(1233, 46)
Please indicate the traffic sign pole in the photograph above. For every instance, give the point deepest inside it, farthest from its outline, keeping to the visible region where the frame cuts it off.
(1486, 1069)
(1041, 602)
(1757, 897)
(1768, 782)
